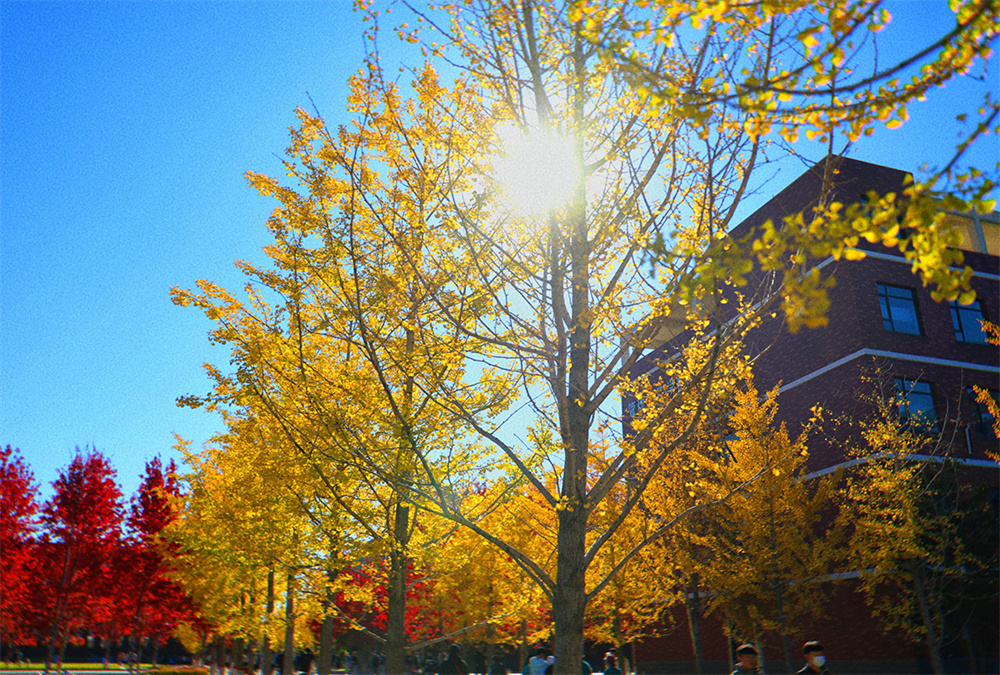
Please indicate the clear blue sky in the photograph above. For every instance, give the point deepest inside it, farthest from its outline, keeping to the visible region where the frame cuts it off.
(125, 131)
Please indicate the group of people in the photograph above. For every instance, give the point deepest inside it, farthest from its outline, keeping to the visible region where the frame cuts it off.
(812, 651)
(543, 661)
(542, 664)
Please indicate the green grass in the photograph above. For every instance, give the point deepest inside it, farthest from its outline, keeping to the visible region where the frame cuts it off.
(68, 666)
(79, 667)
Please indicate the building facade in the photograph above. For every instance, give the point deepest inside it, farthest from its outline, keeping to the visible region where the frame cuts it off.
(885, 332)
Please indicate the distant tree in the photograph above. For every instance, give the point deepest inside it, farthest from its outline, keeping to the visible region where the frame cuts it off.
(984, 397)
(755, 556)
(775, 545)
(82, 522)
(153, 601)
(927, 545)
(18, 522)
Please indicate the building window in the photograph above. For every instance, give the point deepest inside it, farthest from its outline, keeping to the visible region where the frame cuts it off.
(968, 322)
(915, 401)
(899, 309)
(633, 407)
(982, 415)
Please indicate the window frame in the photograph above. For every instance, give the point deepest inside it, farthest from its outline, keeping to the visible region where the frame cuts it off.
(982, 418)
(959, 326)
(905, 389)
(883, 291)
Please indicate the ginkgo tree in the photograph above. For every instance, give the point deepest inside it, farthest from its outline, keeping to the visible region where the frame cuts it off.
(925, 544)
(669, 108)
(343, 341)
(775, 546)
(415, 294)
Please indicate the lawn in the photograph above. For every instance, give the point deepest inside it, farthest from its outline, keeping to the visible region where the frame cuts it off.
(83, 667)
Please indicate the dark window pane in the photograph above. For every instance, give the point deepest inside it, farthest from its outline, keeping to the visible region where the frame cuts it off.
(899, 309)
(904, 316)
(982, 414)
(886, 318)
(915, 401)
(968, 322)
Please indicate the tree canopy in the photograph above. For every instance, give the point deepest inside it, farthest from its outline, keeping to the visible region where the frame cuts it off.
(410, 305)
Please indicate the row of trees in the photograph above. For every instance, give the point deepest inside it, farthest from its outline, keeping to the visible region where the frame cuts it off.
(246, 565)
(422, 372)
(410, 318)
(83, 563)
(918, 544)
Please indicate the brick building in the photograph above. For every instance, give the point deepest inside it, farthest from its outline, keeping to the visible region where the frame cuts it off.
(881, 321)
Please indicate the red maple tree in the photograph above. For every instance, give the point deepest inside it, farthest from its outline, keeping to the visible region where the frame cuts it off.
(82, 524)
(154, 603)
(18, 523)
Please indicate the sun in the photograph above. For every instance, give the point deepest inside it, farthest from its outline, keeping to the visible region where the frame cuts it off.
(537, 170)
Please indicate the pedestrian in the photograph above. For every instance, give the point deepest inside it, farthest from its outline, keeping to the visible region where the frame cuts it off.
(538, 663)
(498, 667)
(611, 665)
(453, 665)
(307, 660)
(747, 655)
(815, 658)
(621, 661)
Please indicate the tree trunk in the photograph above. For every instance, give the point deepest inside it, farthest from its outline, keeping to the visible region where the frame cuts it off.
(760, 650)
(395, 647)
(63, 640)
(266, 657)
(490, 646)
(266, 654)
(213, 652)
(288, 665)
(970, 649)
(569, 598)
(50, 652)
(238, 650)
(523, 650)
(220, 655)
(55, 645)
(200, 659)
(693, 605)
(783, 626)
(324, 663)
(931, 637)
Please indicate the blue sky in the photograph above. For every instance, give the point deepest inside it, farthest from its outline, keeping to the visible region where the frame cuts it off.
(125, 131)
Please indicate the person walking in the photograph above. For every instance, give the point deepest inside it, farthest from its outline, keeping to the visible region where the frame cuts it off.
(747, 655)
(815, 658)
(611, 665)
(498, 667)
(538, 663)
(453, 665)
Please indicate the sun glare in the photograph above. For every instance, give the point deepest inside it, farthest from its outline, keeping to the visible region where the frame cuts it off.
(536, 170)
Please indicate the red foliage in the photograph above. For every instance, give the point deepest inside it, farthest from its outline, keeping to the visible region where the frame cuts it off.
(424, 618)
(154, 604)
(18, 521)
(81, 572)
(82, 524)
